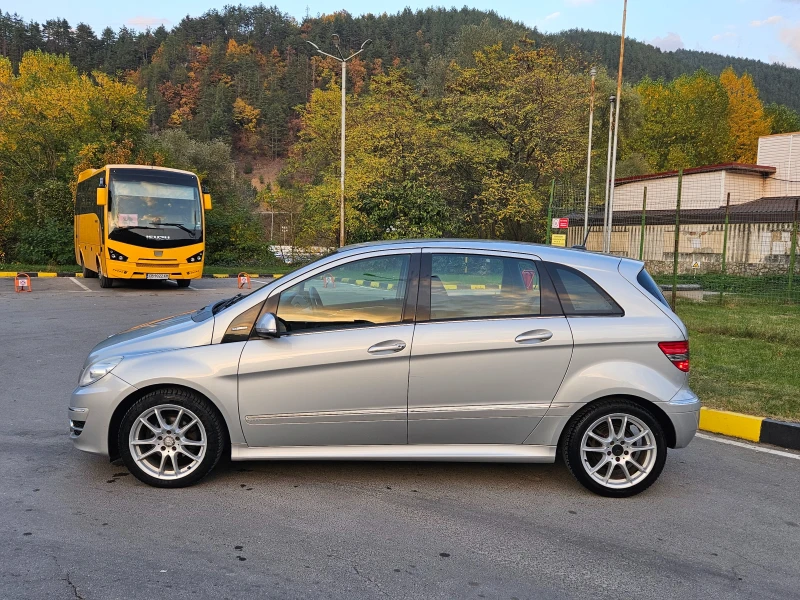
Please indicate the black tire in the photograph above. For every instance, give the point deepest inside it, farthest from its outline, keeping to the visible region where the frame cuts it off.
(212, 424)
(87, 273)
(577, 429)
(105, 282)
(183, 283)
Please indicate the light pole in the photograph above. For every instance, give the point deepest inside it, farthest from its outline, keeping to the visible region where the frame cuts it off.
(343, 62)
(616, 131)
(611, 102)
(593, 73)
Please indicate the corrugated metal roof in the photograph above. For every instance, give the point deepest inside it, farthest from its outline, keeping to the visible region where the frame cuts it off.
(736, 167)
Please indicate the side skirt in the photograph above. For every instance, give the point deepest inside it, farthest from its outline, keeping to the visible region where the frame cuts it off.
(413, 452)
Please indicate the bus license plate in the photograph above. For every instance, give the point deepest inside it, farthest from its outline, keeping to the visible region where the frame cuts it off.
(157, 276)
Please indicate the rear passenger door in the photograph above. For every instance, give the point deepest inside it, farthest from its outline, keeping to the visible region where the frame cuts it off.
(491, 347)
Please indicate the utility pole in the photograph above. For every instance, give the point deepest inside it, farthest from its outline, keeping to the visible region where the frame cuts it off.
(593, 73)
(341, 59)
(616, 130)
(611, 102)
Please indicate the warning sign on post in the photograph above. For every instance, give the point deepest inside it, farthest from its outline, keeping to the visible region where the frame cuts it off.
(560, 223)
(559, 239)
(695, 265)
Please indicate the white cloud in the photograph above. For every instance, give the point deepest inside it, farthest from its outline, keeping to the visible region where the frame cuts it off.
(668, 43)
(721, 36)
(790, 36)
(147, 22)
(552, 16)
(769, 21)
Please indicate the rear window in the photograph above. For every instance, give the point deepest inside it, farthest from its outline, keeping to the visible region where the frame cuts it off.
(647, 282)
(580, 296)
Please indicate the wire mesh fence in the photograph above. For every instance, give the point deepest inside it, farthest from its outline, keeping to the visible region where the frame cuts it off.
(708, 234)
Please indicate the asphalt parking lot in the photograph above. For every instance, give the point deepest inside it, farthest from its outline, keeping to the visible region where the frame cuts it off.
(722, 522)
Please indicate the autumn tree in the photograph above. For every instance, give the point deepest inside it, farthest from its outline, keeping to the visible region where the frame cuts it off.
(684, 122)
(747, 120)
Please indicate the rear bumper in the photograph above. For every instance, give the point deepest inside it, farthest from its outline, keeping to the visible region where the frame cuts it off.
(130, 270)
(684, 412)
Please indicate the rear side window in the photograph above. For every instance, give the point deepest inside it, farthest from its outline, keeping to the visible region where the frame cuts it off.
(579, 295)
(646, 281)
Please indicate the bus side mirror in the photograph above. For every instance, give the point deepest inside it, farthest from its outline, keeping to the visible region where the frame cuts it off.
(102, 196)
(206, 201)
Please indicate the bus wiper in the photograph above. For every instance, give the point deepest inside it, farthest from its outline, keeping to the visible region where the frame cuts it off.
(134, 227)
(223, 304)
(182, 226)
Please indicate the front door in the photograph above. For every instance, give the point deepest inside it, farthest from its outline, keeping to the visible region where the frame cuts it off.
(489, 358)
(339, 374)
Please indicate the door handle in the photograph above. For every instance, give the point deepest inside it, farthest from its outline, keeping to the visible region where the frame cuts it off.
(534, 337)
(387, 347)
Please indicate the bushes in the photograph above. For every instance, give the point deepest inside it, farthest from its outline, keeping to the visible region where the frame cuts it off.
(50, 243)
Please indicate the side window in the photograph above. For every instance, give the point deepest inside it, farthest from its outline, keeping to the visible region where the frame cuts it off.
(370, 291)
(474, 286)
(580, 296)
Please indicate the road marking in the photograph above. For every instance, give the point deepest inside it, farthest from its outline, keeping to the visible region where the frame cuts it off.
(750, 446)
(79, 284)
(191, 288)
(260, 281)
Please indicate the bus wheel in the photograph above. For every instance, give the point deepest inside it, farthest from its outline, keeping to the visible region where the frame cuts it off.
(105, 282)
(87, 273)
(182, 283)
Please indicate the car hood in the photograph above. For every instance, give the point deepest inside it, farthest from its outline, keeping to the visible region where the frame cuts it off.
(170, 333)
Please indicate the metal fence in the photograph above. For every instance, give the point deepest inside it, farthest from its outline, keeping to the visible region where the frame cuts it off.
(727, 231)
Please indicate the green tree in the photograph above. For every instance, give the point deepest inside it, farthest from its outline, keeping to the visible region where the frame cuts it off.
(782, 119)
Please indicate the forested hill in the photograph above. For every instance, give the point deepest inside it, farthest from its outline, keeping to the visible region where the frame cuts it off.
(775, 82)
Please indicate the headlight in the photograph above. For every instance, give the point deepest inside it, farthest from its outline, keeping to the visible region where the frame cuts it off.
(98, 370)
(116, 255)
(196, 258)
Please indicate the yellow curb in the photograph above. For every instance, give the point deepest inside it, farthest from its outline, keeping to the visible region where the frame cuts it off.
(479, 286)
(375, 284)
(276, 275)
(8, 273)
(221, 275)
(450, 286)
(41, 274)
(78, 274)
(734, 424)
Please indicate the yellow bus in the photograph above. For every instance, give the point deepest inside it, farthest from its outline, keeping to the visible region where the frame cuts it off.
(140, 222)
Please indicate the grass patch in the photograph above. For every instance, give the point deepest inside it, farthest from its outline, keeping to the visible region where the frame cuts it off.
(745, 357)
(770, 287)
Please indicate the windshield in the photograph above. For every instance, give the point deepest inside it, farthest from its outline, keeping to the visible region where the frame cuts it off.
(155, 209)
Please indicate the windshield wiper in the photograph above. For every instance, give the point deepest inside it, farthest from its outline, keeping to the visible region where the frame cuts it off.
(135, 227)
(181, 225)
(223, 304)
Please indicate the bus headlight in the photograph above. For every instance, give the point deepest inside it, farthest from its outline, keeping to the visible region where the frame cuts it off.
(196, 258)
(98, 370)
(116, 255)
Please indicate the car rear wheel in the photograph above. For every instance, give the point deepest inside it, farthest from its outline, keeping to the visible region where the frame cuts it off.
(171, 438)
(615, 448)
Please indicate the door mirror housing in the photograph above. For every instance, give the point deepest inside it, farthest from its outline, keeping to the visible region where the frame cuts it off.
(207, 201)
(102, 196)
(267, 326)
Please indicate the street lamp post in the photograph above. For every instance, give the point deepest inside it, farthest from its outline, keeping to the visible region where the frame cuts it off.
(341, 59)
(593, 73)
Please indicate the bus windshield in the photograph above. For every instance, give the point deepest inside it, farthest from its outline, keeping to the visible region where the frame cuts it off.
(154, 209)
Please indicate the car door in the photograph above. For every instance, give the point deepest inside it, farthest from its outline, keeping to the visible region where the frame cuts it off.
(338, 374)
(491, 348)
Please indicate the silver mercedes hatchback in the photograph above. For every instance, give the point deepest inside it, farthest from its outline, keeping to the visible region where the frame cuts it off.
(444, 350)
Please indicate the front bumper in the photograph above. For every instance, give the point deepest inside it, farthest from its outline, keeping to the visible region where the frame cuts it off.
(90, 411)
(684, 412)
(134, 270)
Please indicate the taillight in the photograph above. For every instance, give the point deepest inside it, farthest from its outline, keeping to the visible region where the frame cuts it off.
(677, 353)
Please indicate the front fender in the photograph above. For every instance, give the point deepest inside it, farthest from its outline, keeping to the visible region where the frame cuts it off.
(209, 370)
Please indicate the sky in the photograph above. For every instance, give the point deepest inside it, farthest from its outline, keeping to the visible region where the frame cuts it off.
(767, 30)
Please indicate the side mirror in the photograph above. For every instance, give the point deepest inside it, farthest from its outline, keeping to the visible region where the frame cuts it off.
(207, 201)
(267, 326)
(102, 196)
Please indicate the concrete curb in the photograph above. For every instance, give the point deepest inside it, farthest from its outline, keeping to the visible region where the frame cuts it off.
(748, 427)
(12, 274)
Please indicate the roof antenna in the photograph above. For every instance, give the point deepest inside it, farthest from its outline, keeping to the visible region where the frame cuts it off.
(583, 245)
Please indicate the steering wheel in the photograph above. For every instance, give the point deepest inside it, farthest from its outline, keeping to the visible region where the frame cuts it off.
(316, 301)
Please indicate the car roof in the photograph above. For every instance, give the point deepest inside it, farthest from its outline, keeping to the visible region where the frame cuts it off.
(569, 256)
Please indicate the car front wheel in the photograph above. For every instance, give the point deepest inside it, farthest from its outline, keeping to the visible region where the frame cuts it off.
(615, 448)
(171, 438)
